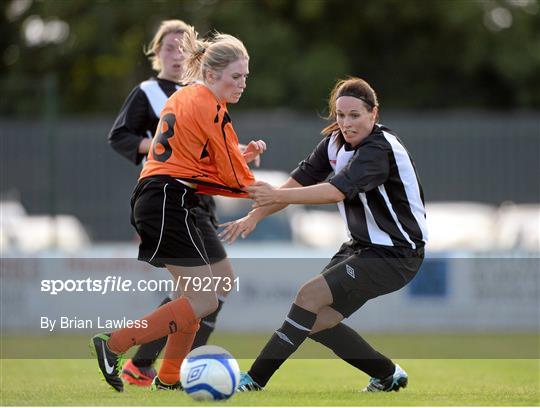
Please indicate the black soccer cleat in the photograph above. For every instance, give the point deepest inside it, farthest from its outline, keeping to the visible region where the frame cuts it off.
(110, 364)
(158, 385)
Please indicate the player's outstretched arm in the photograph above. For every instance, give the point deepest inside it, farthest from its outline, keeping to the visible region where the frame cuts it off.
(263, 194)
(244, 226)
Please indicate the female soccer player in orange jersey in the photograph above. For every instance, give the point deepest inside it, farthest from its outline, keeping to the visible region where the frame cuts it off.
(131, 136)
(195, 150)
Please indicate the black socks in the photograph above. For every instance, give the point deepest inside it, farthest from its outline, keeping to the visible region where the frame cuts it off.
(282, 344)
(351, 347)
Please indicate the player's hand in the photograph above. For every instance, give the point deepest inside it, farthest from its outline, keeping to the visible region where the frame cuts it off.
(262, 194)
(144, 145)
(241, 227)
(253, 151)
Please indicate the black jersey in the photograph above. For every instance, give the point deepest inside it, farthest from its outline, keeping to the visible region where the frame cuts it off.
(384, 202)
(139, 116)
(138, 119)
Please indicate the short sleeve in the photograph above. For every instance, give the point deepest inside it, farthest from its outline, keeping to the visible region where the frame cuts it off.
(316, 167)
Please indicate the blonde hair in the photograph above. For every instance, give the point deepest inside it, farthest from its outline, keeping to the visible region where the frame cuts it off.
(166, 27)
(352, 86)
(216, 53)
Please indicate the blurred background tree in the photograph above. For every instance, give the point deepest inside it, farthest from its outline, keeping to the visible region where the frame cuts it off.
(418, 54)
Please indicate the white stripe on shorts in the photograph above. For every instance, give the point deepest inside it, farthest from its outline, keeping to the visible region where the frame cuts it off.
(189, 232)
(162, 220)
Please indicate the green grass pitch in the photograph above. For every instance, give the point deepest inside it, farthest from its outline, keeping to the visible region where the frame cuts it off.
(300, 382)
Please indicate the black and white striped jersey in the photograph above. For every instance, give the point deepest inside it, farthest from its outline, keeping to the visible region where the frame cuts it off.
(139, 116)
(384, 202)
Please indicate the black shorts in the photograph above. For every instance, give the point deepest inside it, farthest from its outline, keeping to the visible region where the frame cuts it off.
(357, 273)
(207, 208)
(172, 228)
(206, 222)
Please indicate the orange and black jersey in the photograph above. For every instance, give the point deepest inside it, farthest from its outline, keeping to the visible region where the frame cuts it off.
(195, 142)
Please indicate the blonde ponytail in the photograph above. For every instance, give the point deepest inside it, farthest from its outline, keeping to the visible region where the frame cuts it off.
(193, 49)
(215, 54)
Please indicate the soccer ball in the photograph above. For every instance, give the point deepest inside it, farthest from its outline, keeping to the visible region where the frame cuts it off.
(209, 373)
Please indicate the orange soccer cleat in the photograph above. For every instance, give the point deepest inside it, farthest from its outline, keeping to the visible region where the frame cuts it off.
(140, 376)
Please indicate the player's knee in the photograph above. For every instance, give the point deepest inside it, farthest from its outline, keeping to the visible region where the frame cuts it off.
(306, 297)
(228, 272)
(203, 303)
(211, 304)
(223, 270)
(328, 322)
(325, 321)
(227, 284)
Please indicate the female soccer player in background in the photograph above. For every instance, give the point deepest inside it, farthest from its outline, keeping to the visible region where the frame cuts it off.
(380, 198)
(131, 136)
(195, 149)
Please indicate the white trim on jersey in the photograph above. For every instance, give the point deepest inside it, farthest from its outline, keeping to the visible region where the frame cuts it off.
(332, 152)
(376, 235)
(338, 160)
(155, 95)
(382, 190)
(410, 183)
(341, 208)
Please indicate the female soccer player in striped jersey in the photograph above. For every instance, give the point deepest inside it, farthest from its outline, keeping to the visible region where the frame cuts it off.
(195, 149)
(131, 136)
(380, 198)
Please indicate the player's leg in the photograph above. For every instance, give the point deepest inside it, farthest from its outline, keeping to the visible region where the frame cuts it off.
(161, 216)
(363, 276)
(347, 344)
(139, 370)
(180, 342)
(366, 274)
(221, 270)
(191, 283)
(312, 296)
(340, 338)
(247, 382)
(178, 319)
